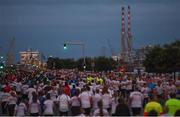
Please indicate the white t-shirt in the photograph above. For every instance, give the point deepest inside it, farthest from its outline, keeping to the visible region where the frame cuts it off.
(30, 91)
(159, 90)
(18, 87)
(81, 84)
(129, 85)
(164, 85)
(106, 101)
(114, 104)
(137, 98)
(53, 94)
(20, 109)
(117, 85)
(111, 91)
(123, 84)
(63, 102)
(5, 97)
(172, 89)
(34, 107)
(97, 112)
(75, 101)
(145, 91)
(177, 82)
(12, 100)
(93, 86)
(85, 100)
(24, 88)
(48, 107)
(95, 99)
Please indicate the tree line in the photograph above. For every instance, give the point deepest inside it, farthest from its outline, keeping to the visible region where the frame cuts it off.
(96, 64)
(164, 59)
(160, 59)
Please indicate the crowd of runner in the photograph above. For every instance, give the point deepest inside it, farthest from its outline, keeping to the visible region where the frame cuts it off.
(77, 93)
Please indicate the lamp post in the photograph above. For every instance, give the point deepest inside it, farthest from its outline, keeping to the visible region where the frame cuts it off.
(82, 47)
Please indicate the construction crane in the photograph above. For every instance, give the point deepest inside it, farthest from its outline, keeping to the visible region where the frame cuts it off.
(10, 54)
(110, 47)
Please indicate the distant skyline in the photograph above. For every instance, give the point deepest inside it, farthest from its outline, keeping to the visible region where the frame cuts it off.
(45, 24)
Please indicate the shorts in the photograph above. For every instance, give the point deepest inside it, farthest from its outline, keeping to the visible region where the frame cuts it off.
(34, 114)
(87, 111)
(136, 111)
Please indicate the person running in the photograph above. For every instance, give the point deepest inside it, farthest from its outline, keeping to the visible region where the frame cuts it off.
(12, 100)
(145, 90)
(30, 90)
(41, 98)
(100, 111)
(122, 109)
(107, 100)
(18, 86)
(66, 89)
(7, 88)
(4, 100)
(97, 97)
(63, 101)
(136, 99)
(21, 108)
(48, 106)
(172, 104)
(75, 104)
(153, 105)
(86, 101)
(34, 105)
(114, 102)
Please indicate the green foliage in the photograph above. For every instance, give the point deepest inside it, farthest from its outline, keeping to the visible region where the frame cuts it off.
(101, 63)
(104, 64)
(163, 59)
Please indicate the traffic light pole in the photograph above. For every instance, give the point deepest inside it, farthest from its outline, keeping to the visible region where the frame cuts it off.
(83, 50)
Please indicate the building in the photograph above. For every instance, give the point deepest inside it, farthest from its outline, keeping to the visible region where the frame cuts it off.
(30, 57)
(116, 57)
(140, 56)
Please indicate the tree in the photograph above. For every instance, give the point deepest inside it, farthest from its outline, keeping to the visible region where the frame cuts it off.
(104, 64)
(163, 59)
(101, 63)
(50, 63)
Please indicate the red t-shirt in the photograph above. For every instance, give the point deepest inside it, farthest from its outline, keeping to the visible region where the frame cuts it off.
(67, 90)
(7, 89)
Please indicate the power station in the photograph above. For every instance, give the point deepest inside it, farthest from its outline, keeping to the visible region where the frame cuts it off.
(126, 59)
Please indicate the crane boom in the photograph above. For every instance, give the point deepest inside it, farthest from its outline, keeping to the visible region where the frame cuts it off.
(110, 47)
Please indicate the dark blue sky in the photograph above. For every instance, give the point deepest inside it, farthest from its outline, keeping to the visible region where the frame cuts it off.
(45, 24)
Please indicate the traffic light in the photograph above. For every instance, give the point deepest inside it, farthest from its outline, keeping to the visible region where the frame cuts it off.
(1, 57)
(1, 65)
(84, 66)
(65, 46)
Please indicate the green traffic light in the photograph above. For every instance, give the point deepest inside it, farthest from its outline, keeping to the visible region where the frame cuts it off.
(1, 67)
(84, 66)
(65, 47)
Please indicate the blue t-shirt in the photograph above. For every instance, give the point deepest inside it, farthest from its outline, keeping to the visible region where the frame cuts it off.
(151, 85)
